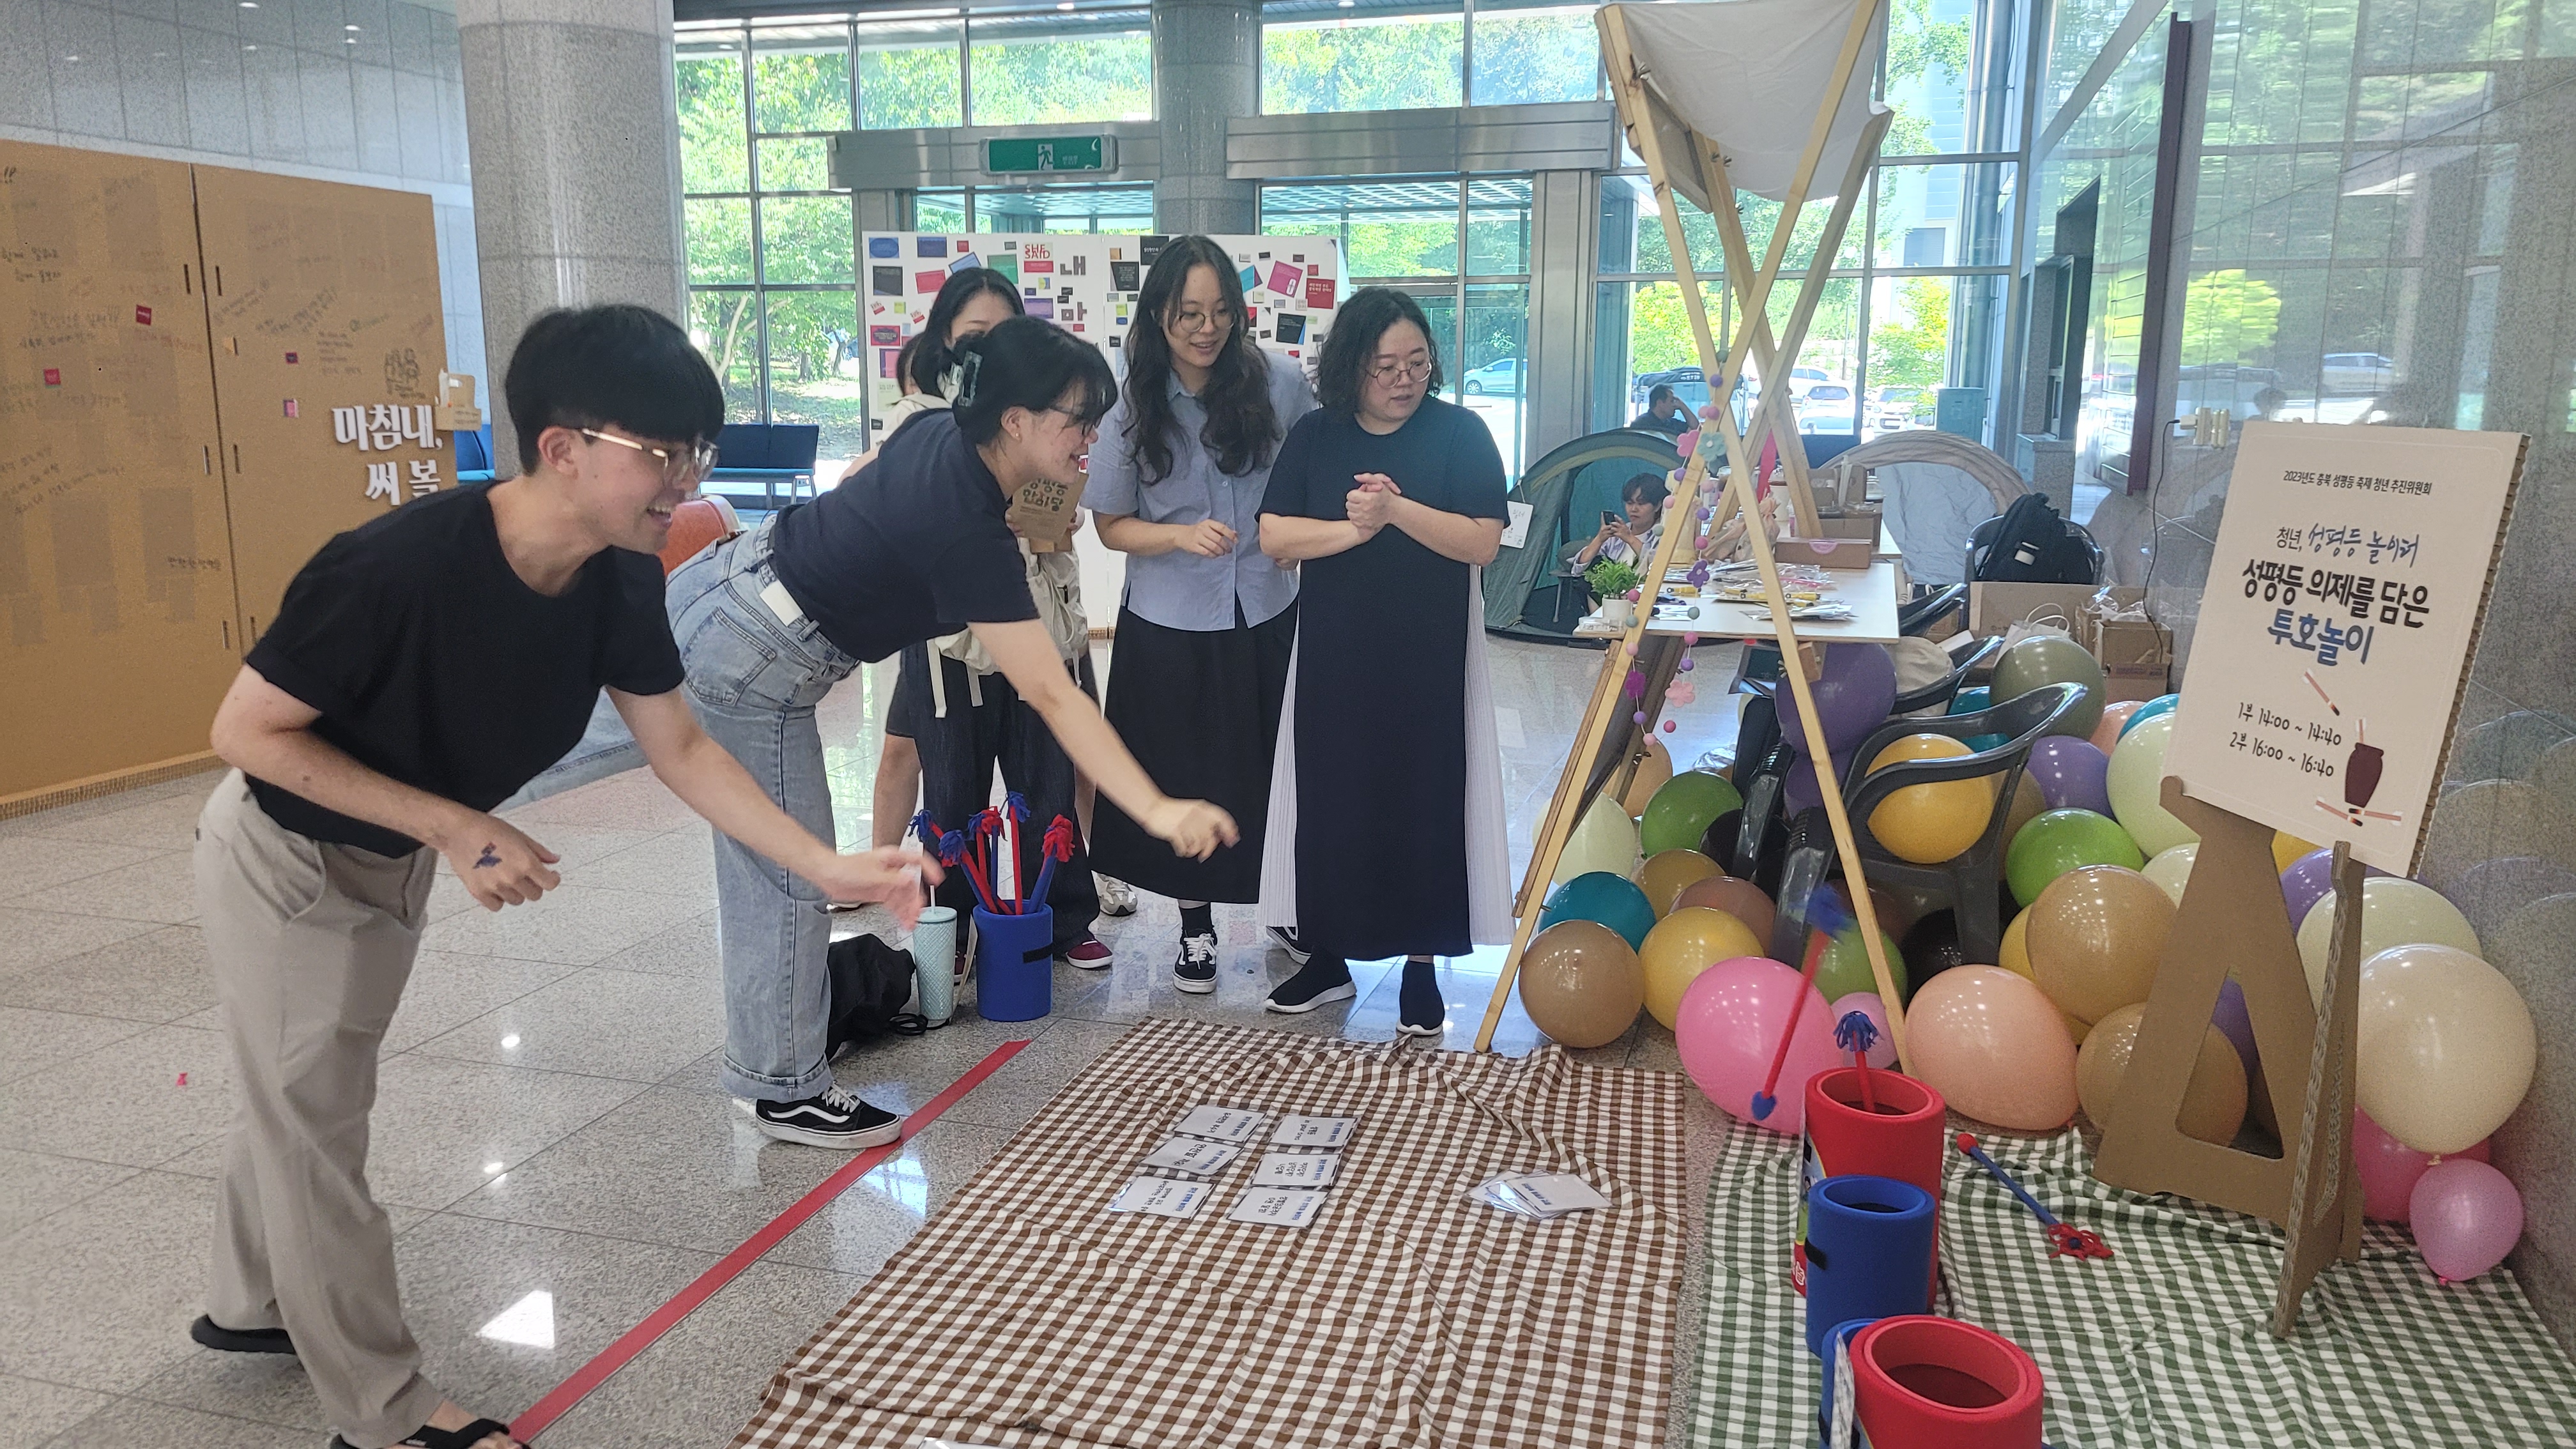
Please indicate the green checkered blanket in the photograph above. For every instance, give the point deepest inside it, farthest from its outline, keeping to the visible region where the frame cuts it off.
(2166, 1344)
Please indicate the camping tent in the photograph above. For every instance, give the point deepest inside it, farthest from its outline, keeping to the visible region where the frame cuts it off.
(1567, 491)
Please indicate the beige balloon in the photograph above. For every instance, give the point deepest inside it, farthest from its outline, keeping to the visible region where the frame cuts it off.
(2447, 1047)
(1581, 984)
(2027, 803)
(2171, 869)
(1653, 769)
(2394, 913)
(1604, 839)
(1667, 872)
(2213, 1103)
(2095, 937)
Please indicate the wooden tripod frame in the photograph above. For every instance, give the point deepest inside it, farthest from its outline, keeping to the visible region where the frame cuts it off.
(1607, 747)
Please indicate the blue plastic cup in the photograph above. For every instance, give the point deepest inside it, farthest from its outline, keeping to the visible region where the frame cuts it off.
(934, 962)
(1869, 1251)
(1014, 965)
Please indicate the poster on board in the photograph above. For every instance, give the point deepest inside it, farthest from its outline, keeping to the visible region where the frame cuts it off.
(1087, 285)
(2344, 599)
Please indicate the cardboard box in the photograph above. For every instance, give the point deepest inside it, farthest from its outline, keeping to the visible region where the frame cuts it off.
(2136, 655)
(1828, 552)
(1042, 513)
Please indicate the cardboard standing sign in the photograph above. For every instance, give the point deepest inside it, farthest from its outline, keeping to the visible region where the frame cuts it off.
(2346, 593)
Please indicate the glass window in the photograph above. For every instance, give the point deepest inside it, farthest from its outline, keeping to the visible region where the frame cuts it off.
(1029, 70)
(908, 73)
(1387, 229)
(1531, 51)
(719, 235)
(1823, 383)
(1068, 209)
(1909, 352)
(795, 163)
(1498, 226)
(1929, 45)
(709, 77)
(805, 239)
(1376, 55)
(1945, 216)
(800, 78)
(939, 211)
(1643, 337)
(818, 367)
(726, 327)
(1490, 366)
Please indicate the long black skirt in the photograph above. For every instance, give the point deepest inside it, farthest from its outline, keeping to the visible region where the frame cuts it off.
(1200, 710)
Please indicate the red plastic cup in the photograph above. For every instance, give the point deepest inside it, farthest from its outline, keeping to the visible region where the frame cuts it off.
(1903, 1139)
(1921, 1382)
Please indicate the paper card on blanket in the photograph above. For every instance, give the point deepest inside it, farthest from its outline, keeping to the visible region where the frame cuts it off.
(1277, 1208)
(1220, 1124)
(1297, 1169)
(1161, 1197)
(1192, 1155)
(1294, 1131)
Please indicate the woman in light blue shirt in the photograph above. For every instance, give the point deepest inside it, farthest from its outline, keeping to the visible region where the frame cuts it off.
(1204, 634)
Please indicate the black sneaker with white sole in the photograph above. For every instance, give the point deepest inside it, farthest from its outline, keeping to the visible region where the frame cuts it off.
(835, 1119)
(1419, 1009)
(1286, 940)
(1195, 970)
(240, 1340)
(1319, 983)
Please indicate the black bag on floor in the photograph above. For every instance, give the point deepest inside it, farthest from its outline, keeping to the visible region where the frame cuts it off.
(2034, 546)
(871, 982)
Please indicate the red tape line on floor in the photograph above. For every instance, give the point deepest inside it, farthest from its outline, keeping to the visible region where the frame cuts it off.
(687, 1301)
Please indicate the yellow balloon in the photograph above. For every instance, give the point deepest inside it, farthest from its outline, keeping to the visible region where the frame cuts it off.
(1929, 824)
(2287, 848)
(1604, 839)
(2136, 785)
(2015, 950)
(1666, 872)
(1684, 944)
(2213, 1102)
(2446, 1047)
(2394, 912)
(2171, 869)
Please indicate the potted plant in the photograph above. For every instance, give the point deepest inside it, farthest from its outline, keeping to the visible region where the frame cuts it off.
(1612, 582)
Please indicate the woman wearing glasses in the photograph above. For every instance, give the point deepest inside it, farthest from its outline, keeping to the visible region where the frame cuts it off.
(1207, 623)
(914, 546)
(1385, 832)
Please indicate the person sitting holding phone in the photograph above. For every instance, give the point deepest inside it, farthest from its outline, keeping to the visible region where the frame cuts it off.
(1628, 537)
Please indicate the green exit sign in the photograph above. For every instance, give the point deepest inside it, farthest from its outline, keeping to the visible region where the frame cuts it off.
(1009, 155)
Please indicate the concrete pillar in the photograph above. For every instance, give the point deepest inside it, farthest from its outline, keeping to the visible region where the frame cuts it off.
(1207, 68)
(572, 127)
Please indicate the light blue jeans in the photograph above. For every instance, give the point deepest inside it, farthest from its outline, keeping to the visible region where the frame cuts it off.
(754, 681)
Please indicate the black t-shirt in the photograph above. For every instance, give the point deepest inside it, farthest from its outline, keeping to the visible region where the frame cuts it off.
(915, 545)
(1659, 423)
(434, 663)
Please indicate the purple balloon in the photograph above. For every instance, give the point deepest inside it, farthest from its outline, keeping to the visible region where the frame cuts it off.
(2237, 1025)
(1799, 791)
(2310, 879)
(1853, 698)
(2466, 1217)
(2071, 774)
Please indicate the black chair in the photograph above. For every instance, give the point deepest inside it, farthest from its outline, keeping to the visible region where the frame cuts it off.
(1915, 617)
(1971, 881)
(1982, 539)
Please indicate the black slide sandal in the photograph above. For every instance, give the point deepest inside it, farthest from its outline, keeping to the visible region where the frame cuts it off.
(426, 1437)
(240, 1340)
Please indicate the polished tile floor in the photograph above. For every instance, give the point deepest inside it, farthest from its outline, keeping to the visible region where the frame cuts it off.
(547, 1135)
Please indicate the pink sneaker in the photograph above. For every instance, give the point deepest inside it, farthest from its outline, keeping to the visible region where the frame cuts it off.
(1091, 954)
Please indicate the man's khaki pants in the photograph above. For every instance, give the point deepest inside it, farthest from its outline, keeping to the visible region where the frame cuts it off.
(310, 945)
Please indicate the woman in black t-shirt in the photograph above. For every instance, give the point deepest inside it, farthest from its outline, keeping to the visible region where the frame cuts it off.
(1386, 810)
(915, 545)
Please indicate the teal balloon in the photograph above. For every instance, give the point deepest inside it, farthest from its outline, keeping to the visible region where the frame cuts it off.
(1681, 810)
(1612, 900)
(2057, 841)
(2161, 704)
(1972, 699)
(2045, 659)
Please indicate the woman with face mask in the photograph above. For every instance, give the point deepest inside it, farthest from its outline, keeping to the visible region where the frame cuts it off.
(1386, 810)
(1207, 622)
(913, 546)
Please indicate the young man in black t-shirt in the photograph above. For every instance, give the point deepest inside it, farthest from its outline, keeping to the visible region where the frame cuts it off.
(422, 668)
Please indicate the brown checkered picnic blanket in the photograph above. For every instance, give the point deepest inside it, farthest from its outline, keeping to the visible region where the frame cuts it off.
(1024, 1314)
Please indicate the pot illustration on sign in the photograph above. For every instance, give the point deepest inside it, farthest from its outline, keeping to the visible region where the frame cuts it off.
(2361, 770)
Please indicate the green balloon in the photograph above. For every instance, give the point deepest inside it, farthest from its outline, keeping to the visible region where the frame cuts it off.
(1845, 966)
(1614, 901)
(2058, 841)
(1683, 809)
(2053, 659)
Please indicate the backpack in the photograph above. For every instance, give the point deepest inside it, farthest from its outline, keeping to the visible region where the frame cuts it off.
(2034, 546)
(870, 984)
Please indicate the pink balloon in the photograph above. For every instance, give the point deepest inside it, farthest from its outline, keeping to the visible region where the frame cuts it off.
(2390, 1169)
(1729, 1028)
(2467, 1217)
(1882, 1053)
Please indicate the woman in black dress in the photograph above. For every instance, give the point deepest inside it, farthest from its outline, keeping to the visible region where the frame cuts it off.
(1386, 824)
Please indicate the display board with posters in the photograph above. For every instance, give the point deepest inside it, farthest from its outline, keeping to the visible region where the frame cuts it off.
(1086, 284)
(2334, 635)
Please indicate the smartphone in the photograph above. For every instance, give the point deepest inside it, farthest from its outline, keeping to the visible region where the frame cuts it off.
(1612, 520)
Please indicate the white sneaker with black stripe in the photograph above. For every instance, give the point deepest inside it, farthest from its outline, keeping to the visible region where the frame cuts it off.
(835, 1119)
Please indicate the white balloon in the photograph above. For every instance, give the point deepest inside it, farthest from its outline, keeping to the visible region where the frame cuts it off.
(2135, 783)
(1604, 839)
(2172, 868)
(2447, 1047)
(2394, 912)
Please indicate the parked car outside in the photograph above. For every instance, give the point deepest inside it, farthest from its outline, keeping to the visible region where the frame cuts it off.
(1826, 408)
(2357, 372)
(1893, 409)
(1500, 376)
